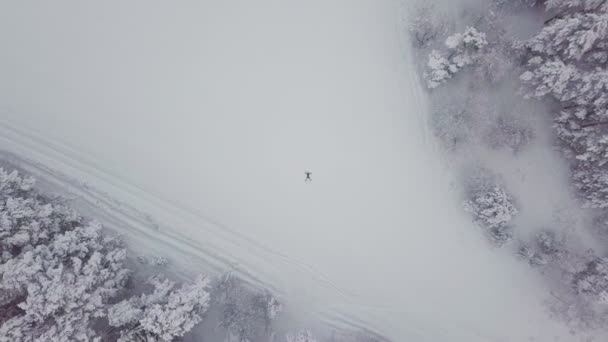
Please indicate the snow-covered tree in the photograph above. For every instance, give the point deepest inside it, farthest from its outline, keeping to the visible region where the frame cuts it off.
(26, 218)
(567, 63)
(463, 49)
(247, 313)
(64, 285)
(58, 276)
(162, 315)
(593, 185)
(439, 69)
(302, 336)
(14, 185)
(493, 210)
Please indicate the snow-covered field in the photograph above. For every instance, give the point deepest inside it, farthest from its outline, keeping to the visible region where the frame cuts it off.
(191, 124)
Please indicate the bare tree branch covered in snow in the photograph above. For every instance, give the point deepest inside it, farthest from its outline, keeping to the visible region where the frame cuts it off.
(247, 313)
(426, 25)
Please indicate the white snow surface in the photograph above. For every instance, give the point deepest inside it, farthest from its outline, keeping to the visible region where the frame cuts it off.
(189, 126)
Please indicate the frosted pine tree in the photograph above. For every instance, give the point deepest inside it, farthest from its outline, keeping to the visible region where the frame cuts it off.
(164, 314)
(463, 49)
(64, 286)
(26, 218)
(493, 210)
(58, 275)
(566, 62)
(13, 185)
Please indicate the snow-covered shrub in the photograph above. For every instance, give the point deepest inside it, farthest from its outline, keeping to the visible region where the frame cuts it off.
(493, 210)
(154, 260)
(468, 41)
(463, 49)
(302, 336)
(247, 313)
(142, 259)
(159, 261)
(439, 69)
(164, 314)
(64, 285)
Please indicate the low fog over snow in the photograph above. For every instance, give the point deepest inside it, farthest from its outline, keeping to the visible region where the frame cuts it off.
(215, 109)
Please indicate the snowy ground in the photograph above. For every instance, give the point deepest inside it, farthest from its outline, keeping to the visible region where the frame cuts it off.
(191, 124)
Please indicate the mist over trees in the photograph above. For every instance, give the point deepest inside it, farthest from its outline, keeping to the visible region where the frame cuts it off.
(493, 86)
